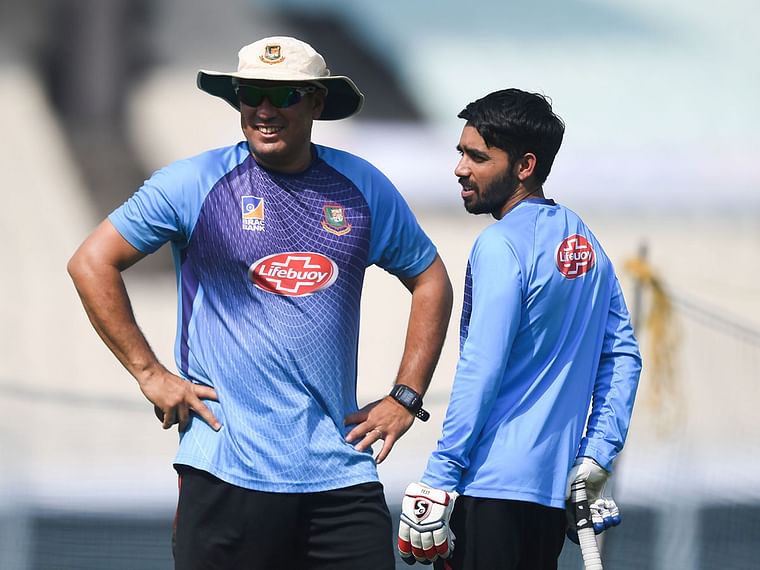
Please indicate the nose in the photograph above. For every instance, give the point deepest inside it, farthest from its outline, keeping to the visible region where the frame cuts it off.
(263, 111)
(462, 170)
(265, 108)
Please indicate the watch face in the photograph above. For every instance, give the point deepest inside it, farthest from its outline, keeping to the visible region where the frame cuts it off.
(406, 397)
(410, 399)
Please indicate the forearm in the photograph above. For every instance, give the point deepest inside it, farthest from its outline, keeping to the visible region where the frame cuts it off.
(426, 331)
(615, 388)
(105, 300)
(472, 397)
(387, 419)
(611, 410)
(96, 270)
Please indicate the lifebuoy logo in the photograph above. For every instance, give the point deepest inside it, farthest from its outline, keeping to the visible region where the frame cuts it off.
(293, 274)
(575, 256)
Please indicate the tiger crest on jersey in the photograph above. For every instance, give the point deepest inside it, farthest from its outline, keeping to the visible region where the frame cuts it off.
(334, 219)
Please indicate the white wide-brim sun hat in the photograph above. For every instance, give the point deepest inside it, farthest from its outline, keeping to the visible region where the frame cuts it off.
(285, 59)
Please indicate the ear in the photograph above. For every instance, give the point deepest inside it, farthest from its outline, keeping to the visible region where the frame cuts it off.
(525, 166)
(318, 104)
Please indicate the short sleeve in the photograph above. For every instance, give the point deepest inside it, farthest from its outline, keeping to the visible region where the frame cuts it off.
(397, 242)
(157, 212)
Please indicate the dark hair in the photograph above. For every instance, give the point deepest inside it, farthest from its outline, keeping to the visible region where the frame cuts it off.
(518, 122)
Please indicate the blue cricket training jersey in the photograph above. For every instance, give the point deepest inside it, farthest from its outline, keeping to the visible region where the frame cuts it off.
(269, 270)
(544, 330)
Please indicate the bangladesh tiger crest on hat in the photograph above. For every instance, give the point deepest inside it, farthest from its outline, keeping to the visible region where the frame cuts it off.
(272, 54)
(334, 220)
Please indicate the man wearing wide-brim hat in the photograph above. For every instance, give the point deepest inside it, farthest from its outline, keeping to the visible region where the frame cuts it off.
(285, 60)
(271, 238)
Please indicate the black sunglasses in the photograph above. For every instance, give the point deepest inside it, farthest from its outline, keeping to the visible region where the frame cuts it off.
(280, 97)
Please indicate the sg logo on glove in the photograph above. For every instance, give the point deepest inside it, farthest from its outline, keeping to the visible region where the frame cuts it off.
(424, 534)
(422, 509)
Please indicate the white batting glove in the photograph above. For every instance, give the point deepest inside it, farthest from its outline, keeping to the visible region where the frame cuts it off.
(604, 511)
(424, 533)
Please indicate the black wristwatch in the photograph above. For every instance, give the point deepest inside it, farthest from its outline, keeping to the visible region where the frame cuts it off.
(411, 400)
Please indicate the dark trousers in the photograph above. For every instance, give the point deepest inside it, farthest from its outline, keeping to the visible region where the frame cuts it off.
(497, 534)
(221, 526)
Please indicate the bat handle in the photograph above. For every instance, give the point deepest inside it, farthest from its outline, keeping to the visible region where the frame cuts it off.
(592, 560)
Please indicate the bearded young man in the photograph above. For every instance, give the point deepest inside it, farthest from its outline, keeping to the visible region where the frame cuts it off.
(544, 334)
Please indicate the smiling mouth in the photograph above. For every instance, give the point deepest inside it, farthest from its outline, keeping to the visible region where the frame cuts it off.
(268, 130)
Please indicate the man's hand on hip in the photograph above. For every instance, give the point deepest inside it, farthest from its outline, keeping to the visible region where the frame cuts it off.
(383, 419)
(174, 398)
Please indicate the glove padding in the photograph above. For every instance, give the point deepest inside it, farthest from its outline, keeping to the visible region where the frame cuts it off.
(604, 512)
(424, 534)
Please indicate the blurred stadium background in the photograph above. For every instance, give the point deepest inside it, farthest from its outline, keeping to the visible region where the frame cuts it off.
(660, 157)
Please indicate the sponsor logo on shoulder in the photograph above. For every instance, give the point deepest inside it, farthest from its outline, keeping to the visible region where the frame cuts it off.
(253, 213)
(334, 219)
(293, 274)
(575, 256)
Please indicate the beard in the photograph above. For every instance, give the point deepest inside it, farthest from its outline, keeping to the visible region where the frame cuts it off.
(492, 198)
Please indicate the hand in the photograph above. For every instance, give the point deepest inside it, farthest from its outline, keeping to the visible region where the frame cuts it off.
(424, 534)
(174, 398)
(604, 512)
(384, 419)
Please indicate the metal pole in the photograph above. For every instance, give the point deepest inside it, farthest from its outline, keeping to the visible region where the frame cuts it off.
(638, 293)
